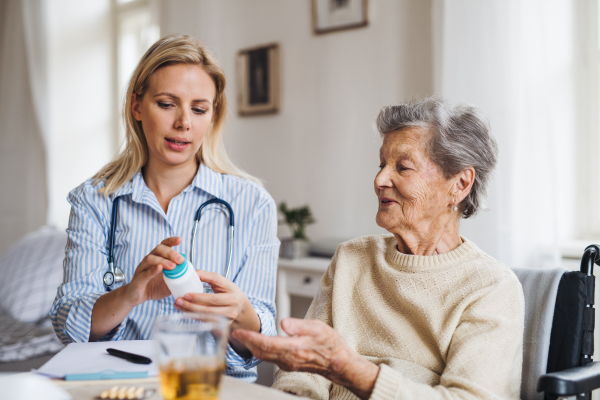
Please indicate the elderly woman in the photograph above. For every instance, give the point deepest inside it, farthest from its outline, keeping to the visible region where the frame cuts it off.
(421, 313)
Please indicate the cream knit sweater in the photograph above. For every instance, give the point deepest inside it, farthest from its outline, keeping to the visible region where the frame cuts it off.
(448, 326)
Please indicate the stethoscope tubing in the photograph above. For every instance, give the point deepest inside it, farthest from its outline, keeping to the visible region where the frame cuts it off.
(114, 274)
(117, 273)
(231, 231)
(115, 213)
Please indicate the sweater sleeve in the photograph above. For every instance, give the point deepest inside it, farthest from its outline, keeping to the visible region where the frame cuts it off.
(485, 355)
(303, 383)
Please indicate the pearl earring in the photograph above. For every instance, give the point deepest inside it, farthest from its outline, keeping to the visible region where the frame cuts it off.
(455, 208)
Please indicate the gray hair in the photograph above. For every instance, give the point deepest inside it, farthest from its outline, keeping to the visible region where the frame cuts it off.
(461, 139)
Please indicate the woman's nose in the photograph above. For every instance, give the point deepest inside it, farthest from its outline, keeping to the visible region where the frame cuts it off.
(383, 178)
(183, 121)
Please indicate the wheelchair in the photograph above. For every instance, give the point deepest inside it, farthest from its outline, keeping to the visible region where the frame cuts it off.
(559, 331)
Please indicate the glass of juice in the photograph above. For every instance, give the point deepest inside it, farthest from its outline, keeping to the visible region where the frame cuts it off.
(191, 355)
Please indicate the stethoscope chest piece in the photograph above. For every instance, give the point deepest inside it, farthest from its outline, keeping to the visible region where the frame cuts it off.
(111, 277)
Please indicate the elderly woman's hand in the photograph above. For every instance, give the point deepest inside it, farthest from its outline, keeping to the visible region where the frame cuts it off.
(313, 347)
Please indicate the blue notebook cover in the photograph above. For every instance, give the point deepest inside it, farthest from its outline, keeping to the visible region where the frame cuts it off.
(108, 374)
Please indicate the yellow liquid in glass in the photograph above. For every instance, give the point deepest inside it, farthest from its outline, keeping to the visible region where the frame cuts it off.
(191, 379)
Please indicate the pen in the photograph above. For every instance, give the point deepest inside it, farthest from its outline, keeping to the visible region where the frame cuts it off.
(134, 358)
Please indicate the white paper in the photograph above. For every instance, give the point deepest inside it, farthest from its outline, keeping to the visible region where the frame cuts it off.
(91, 358)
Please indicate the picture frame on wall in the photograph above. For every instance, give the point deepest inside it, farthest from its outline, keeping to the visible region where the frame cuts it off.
(335, 15)
(258, 80)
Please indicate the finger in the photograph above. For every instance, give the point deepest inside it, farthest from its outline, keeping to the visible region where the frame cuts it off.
(286, 352)
(152, 260)
(269, 345)
(154, 271)
(247, 337)
(168, 253)
(146, 275)
(210, 299)
(171, 241)
(187, 306)
(276, 349)
(258, 344)
(215, 280)
(303, 327)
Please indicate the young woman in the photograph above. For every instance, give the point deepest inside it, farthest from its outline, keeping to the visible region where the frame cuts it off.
(174, 161)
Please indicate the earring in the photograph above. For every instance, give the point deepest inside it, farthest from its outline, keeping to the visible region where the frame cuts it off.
(455, 208)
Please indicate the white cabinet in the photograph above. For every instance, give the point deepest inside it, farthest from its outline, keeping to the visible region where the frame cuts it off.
(298, 277)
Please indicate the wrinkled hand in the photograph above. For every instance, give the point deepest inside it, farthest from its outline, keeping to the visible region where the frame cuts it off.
(227, 300)
(313, 347)
(147, 282)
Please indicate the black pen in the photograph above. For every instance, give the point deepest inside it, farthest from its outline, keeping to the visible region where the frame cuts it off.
(134, 358)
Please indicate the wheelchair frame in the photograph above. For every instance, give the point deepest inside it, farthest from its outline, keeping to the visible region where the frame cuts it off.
(580, 380)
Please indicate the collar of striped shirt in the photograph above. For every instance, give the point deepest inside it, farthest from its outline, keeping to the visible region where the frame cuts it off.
(206, 179)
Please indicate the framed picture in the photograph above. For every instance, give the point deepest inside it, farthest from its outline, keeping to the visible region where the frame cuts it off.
(335, 15)
(258, 80)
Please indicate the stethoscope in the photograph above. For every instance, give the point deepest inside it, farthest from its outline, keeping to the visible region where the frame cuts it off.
(116, 275)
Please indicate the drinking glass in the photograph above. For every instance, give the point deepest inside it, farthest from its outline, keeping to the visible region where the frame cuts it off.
(191, 355)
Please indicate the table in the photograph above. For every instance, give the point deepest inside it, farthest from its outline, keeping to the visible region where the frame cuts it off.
(299, 277)
(231, 389)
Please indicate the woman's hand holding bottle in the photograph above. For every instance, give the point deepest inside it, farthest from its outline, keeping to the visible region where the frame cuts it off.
(228, 300)
(147, 282)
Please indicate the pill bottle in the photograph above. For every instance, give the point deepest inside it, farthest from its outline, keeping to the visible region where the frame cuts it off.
(183, 279)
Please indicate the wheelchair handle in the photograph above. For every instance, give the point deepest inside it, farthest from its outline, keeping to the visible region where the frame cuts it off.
(591, 256)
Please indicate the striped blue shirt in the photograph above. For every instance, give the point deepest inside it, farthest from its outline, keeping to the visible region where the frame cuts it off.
(142, 225)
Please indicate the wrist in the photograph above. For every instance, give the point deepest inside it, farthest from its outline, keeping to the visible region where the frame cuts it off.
(247, 319)
(128, 296)
(360, 376)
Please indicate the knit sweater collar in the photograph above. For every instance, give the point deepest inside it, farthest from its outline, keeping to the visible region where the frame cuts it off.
(413, 263)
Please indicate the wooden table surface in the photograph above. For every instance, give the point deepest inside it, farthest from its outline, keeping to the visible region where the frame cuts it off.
(231, 389)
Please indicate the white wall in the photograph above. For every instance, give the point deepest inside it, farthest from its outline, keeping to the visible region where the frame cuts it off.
(79, 38)
(320, 148)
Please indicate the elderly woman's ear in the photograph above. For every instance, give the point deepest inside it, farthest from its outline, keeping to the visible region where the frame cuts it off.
(463, 182)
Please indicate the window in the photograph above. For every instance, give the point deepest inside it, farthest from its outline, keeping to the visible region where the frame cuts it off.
(136, 29)
(589, 86)
(587, 172)
(594, 83)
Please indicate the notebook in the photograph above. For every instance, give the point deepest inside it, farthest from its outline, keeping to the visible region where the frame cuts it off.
(90, 361)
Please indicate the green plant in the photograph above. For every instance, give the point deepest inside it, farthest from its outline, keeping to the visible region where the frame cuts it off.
(297, 219)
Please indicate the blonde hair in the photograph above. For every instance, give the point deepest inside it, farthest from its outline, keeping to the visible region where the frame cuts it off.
(167, 51)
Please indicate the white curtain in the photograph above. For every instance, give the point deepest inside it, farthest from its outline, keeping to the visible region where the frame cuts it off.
(516, 60)
(35, 31)
(23, 120)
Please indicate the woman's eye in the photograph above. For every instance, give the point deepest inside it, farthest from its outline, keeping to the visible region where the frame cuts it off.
(199, 110)
(164, 105)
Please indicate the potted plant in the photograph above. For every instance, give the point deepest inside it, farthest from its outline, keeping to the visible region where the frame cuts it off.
(296, 219)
